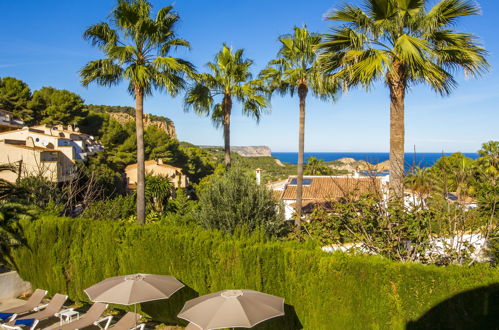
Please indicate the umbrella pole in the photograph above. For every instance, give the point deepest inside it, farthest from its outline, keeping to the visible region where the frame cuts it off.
(135, 316)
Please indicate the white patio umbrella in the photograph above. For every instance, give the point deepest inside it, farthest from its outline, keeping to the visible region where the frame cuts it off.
(231, 309)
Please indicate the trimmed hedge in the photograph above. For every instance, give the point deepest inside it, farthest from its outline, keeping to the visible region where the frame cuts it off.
(324, 291)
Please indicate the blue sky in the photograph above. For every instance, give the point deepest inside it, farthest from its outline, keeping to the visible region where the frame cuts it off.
(42, 45)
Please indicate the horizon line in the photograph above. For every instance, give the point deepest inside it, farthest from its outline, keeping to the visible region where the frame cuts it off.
(383, 152)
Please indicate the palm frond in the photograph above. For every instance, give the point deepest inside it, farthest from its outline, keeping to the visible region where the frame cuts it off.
(137, 49)
(229, 78)
(404, 32)
(101, 35)
(446, 12)
(295, 64)
(105, 72)
(199, 99)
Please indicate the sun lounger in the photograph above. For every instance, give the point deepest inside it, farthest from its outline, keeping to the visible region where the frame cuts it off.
(30, 305)
(46, 311)
(89, 318)
(128, 321)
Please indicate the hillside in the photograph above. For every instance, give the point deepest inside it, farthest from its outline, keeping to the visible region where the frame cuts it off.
(272, 168)
(245, 151)
(350, 164)
(124, 114)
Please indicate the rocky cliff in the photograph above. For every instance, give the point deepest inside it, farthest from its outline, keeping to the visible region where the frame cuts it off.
(253, 151)
(351, 165)
(149, 120)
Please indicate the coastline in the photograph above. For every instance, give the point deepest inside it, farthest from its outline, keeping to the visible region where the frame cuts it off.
(422, 159)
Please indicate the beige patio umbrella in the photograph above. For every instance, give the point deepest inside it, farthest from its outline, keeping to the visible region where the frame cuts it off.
(232, 309)
(134, 289)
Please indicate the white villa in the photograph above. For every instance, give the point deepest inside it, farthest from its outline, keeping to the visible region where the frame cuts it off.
(318, 191)
(50, 151)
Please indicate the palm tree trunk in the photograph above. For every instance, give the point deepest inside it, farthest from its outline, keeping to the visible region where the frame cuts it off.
(397, 132)
(302, 93)
(139, 126)
(227, 108)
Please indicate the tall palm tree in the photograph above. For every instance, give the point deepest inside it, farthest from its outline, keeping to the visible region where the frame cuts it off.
(295, 70)
(137, 49)
(230, 79)
(403, 43)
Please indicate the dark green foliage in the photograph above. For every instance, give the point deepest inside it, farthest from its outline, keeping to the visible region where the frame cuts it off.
(57, 106)
(112, 109)
(316, 166)
(120, 143)
(159, 145)
(159, 189)
(105, 175)
(463, 177)
(11, 234)
(124, 109)
(39, 192)
(234, 199)
(272, 168)
(93, 124)
(118, 208)
(14, 97)
(197, 164)
(11, 211)
(327, 291)
(487, 174)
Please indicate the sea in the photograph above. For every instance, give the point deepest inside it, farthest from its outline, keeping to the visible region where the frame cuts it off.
(422, 159)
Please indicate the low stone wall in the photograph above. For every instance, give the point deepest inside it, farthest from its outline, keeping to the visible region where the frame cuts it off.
(12, 285)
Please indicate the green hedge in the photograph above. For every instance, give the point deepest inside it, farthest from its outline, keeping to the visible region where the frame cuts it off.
(323, 291)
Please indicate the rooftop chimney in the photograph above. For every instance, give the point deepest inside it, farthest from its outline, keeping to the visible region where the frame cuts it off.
(258, 176)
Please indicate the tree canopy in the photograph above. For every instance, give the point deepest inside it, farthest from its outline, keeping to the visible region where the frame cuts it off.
(57, 106)
(14, 97)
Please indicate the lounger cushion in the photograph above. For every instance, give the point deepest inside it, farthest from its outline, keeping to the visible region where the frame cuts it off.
(5, 316)
(25, 322)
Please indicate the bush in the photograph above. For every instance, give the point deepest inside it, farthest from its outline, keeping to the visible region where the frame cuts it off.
(323, 291)
(117, 208)
(234, 199)
(158, 191)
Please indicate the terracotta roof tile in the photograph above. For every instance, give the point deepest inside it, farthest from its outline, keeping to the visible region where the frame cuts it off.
(333, 188)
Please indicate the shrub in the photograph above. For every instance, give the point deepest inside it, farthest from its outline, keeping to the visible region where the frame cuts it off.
(234, 199)
(323, 291)
(158, 191)
(399, 232)
(117, 208)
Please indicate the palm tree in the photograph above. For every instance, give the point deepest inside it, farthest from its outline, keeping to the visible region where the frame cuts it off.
(12, 209)
(230, 78)
(137, 49)
(295, 70)
(402, 43)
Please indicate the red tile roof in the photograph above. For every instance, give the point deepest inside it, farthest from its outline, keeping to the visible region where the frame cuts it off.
(333, 188)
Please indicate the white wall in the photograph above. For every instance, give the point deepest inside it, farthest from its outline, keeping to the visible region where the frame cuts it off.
(12, 286)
